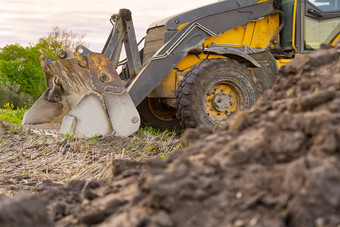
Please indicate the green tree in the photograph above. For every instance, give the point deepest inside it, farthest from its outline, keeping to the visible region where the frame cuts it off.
(20, 71)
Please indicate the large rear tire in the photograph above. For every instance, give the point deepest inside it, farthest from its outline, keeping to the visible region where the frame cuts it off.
(213, 92)
(154, 112)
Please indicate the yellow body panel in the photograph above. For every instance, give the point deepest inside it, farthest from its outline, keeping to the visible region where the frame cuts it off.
(263, 30)
(294, 24)
(336, 40)
(181, 26)
(282, 62)
(169, 85)
(256, 34)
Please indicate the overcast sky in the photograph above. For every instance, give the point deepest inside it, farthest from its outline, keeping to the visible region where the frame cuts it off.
(25, 21)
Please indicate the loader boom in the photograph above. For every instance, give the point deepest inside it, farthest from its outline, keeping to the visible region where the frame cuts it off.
(123, 32)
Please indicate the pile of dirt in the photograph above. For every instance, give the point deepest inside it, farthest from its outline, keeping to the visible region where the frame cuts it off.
(277, 164)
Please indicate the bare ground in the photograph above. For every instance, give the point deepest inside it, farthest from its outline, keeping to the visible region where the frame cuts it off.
(27, 158)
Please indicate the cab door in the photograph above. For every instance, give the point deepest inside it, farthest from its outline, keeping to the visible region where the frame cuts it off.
(319, 23)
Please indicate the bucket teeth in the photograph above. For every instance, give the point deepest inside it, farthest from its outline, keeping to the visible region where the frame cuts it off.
(84, 96)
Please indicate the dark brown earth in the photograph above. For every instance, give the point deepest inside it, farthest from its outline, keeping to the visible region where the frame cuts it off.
(276, 165)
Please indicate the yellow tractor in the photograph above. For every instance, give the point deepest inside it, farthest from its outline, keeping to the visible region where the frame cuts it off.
(198, 67)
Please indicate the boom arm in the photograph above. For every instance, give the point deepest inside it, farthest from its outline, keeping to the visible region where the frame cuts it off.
(123, 32)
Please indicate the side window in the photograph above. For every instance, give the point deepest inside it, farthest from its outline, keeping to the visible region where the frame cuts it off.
(321, 23)
(320, 31)
(326, 5)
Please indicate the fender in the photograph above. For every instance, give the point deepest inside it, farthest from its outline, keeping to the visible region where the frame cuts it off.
(233, 53)
(263, 63)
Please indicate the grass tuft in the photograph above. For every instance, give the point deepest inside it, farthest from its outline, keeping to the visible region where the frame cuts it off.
(12, 115)
(156, 132)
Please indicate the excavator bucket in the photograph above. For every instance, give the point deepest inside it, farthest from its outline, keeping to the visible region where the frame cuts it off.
(84, 97)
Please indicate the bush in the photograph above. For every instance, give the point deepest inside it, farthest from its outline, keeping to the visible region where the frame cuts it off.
(10, 93)
(11, 115)
(20, 65)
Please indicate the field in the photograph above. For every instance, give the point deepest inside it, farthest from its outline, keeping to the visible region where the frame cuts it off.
(28, 158)
(277, 164)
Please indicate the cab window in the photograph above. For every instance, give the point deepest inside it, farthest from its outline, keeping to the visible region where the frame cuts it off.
(319, 26)
(326, 5)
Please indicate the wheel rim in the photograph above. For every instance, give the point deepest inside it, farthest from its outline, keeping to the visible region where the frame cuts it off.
(222, 101)
(160, 110)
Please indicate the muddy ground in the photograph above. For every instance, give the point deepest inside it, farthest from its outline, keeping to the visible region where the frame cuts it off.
(275, 165)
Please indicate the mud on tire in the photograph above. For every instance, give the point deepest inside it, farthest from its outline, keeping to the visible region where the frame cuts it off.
(213, 92)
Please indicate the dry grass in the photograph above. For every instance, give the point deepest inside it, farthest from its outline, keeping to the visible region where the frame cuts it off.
(27, 159)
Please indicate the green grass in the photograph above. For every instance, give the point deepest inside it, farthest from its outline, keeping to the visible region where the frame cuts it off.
(166, 153)
(11, 115)
(93, 138)
(156, 132)
(68, 136)
(150, 148)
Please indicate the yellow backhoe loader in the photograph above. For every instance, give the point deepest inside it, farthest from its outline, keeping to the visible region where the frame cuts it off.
(198, 67)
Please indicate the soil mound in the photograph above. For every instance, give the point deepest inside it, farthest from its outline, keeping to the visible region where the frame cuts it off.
(275, 165)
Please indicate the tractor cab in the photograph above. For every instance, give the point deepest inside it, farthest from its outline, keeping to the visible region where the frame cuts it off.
(308, 24)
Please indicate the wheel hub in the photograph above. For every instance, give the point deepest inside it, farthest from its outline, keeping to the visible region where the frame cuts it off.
(221, 102)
